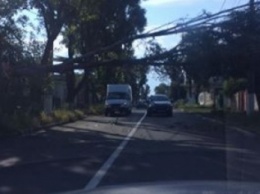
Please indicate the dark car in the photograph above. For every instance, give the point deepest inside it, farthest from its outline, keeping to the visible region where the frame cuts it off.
(159, 104)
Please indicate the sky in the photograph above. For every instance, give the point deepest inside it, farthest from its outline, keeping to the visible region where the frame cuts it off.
(160, 12)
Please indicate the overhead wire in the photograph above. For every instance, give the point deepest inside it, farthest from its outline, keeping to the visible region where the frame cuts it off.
(191, 24)
(161, 32)
(195, 21)
(168, 30)
(238, 2)
(223, 5)
(157, 28)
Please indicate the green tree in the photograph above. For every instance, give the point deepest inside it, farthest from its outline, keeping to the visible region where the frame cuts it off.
(53, 14)
(177, 91)
(101, 24)
(145, 91)
(201, 55)
(11, 53)
(241, 46)
(224, 50)
(232, 86)
(162, 89)
(11, 44)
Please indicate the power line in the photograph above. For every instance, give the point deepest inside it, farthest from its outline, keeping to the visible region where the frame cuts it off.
(195, 22)
(178, 28)
(223, 4)
(202, 21)
(163, 25)
(157, 28)
(238, 2)
(204, 18)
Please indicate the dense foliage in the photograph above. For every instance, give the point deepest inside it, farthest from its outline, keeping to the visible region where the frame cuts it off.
(85, 26)
(226, 50)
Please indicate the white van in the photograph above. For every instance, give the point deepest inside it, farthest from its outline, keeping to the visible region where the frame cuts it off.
(118, 99)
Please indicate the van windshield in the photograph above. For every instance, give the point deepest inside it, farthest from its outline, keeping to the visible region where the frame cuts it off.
(117, 95)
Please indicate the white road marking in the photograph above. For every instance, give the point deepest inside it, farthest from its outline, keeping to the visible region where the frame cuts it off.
(93, 183)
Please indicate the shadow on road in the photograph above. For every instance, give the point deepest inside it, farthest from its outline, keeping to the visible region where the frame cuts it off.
(54, 161)
(180, 148)
(184, 148)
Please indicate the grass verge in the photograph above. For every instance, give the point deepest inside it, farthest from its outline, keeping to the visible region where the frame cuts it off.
(23, 123)
(235, 119)
(97, 109)
(194, 108)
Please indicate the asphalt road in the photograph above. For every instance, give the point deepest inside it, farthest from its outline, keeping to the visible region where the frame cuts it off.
(185, 147)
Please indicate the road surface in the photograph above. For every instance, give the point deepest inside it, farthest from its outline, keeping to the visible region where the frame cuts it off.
(135, 149)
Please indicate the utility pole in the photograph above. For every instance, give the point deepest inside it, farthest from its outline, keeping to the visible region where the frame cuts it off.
(251, 70)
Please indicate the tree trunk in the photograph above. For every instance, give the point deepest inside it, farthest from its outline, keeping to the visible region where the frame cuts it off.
(257, 87)
(70, 81)
(70, 76)
(47, 60)
(80, 85)
(190, 88)
(94, 93)
(197, 92)
(47, 57)
(87, 89)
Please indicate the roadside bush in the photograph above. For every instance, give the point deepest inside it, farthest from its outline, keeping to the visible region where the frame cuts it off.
(20, 122)
(15, 124)
(61, 116)
(79, 114)
(25, 121)
(67, 115)
(179, 103)
(72, 116)
(232, 86)
(96, 109)
(36, 122)
(45, 119)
